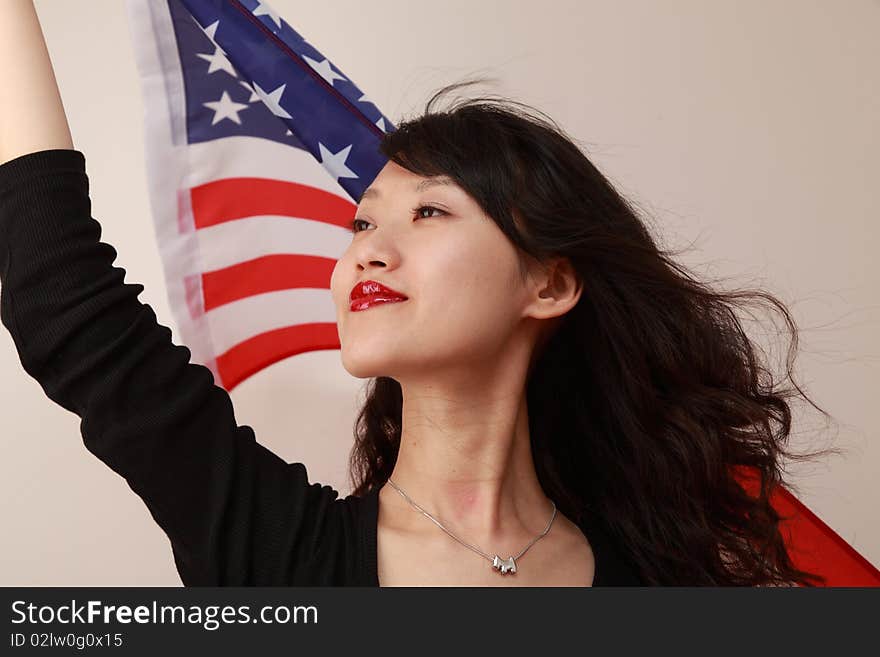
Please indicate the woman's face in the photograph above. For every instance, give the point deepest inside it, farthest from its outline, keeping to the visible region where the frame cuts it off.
(459, 271)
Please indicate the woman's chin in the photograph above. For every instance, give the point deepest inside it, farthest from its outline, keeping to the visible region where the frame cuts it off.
(364, 367)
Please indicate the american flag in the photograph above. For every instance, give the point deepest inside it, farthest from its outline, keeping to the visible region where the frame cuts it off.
(257, 147)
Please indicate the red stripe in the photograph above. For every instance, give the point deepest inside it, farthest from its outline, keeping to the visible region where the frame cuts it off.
(816, 547)
(812, 544)
(231, 199)
(236, 198)
(265, 274)
(252, 355)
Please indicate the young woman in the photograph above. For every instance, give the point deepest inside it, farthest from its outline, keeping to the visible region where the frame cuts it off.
(553, 401)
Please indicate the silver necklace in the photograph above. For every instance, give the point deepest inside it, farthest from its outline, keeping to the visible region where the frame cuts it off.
(503, 566)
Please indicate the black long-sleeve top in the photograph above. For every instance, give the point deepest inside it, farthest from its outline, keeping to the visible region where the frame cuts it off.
(236, 513)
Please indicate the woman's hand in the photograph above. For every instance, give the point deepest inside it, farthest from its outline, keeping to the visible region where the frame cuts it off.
(32, 116)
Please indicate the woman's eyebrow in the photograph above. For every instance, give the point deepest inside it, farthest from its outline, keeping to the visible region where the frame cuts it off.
(419, 186)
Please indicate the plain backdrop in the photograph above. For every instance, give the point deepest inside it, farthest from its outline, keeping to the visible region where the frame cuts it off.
(747, 131)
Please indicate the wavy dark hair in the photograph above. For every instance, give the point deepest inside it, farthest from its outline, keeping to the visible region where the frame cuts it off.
(648, 397)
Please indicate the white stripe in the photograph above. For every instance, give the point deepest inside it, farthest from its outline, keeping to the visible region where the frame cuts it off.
(248, 157)
(234, 242)
(233, 323)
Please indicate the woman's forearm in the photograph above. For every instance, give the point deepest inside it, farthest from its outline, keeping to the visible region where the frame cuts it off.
(32, 115)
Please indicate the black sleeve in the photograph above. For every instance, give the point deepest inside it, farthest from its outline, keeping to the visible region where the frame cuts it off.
(236, 513)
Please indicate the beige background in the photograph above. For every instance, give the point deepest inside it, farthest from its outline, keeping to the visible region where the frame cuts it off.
(749, 129)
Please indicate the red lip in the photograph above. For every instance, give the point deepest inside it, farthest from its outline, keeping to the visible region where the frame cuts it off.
(366, 293)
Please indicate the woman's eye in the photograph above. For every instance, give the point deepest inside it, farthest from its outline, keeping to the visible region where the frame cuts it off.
(354, 225)
(427, 207)
(356, 222)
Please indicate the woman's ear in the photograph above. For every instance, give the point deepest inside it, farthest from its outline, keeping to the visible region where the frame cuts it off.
(557, 288)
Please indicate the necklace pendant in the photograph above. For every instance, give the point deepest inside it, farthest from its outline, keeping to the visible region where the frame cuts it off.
(504, 565)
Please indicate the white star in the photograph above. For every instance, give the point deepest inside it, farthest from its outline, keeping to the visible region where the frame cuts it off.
(210, 31)
(335, 162)
(218, 62)
(364, 99)
(273, 100)
(253, 97)
(264, 9)
(225, 108)
(381, 124)
(324, 69)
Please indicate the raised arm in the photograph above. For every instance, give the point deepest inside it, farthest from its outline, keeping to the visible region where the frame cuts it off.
(32, 116)
(235, 513)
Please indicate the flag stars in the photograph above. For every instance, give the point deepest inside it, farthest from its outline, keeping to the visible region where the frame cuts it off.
(324, 69)
(253, 94)
(264, 9)
(334, 163)
(381, 122)
(225, 108)
(209, 31)
(273, 100)
(219, 62)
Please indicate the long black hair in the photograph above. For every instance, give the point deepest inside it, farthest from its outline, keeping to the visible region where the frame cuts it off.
(649, 397)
